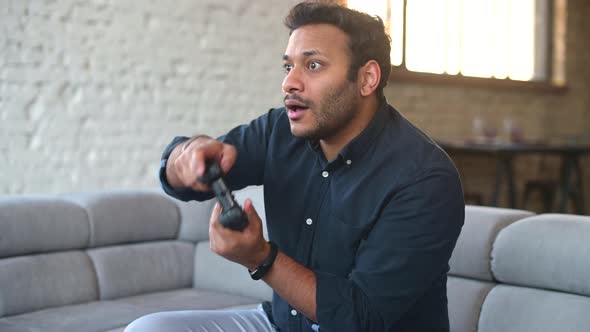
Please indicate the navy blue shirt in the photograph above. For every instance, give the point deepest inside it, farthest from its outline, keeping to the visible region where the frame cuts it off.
(377, 224)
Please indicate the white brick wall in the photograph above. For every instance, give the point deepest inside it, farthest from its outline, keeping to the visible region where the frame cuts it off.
(92, 90)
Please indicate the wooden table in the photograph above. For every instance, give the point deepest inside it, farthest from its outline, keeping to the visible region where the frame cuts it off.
(571, 173)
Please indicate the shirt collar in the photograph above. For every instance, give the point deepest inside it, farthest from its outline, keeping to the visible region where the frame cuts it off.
(358, 145)
(356, 148)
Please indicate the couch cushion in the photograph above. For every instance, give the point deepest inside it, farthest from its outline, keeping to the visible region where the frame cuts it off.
(466, 297)
(187, 299)
(118, 217)
(87, 317)
(9, 327)
(140, 268)
(35, 224)
(194, 216)
(547, 251)
(214, 272)
(38, 281)
(115, 315)
(471, 257)
(519, 309)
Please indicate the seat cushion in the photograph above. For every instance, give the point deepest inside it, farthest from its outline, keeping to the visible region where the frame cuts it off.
(35, 282)
(466, 297)
(133, 269)
(88, 317)
(115, 315)
(187, 299)
(519, 309)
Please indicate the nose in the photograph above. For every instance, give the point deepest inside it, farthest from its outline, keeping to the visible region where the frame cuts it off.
(293, 81)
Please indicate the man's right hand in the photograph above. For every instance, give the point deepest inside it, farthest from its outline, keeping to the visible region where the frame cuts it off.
(187, 161)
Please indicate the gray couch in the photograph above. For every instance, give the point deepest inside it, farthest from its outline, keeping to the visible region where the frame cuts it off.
(97, 261)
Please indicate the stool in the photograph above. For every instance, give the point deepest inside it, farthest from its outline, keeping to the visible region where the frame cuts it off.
(547, 190)
(473, 198)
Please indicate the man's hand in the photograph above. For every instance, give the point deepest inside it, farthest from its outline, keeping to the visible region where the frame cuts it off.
(291, 280)
(187, 161)
(247, 247)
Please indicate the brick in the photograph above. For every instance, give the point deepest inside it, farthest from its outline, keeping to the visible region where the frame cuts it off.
(85, 85)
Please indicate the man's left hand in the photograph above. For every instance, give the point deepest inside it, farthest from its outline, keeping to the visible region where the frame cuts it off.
(246, 247)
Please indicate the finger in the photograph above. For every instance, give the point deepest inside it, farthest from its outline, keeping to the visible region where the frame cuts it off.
(228, 158)
(198, 159)
(215, 214)
(212, 150)
(215, 224)
(185, 167)
(212, 229)
(253, 217)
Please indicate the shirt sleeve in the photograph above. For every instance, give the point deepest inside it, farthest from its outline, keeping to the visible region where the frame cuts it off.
(251, 142)
(406, 251)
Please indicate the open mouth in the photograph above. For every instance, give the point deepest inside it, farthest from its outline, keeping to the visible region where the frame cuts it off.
(295, 108)
(296, 112)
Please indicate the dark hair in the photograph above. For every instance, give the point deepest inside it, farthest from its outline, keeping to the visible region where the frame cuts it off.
(367, 37)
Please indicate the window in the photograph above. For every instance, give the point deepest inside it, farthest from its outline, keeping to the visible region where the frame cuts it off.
(501, 39)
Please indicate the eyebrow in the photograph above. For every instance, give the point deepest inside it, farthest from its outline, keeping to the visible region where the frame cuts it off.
(305, 54)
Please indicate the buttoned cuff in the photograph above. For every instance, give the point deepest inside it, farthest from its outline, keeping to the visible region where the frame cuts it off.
(183, 194)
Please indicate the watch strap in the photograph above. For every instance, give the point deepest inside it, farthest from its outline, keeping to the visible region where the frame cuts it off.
(263, 268)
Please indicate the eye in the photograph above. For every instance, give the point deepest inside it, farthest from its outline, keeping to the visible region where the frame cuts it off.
(314, 65)
(287, 67)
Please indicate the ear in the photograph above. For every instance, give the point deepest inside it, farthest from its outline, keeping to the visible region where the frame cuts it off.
(369, 77)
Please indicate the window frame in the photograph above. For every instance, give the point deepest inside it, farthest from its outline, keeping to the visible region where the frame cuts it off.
(548, 85)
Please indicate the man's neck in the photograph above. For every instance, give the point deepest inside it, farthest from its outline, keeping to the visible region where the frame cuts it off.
(331, 146)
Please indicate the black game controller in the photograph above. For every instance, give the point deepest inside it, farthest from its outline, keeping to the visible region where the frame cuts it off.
(232, 216)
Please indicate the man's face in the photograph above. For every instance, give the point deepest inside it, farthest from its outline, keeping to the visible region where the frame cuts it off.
(319, 98)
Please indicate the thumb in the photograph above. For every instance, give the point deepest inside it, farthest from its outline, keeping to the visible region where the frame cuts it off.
(250, 212)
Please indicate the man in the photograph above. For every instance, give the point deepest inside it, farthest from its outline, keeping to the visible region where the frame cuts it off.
(363, 209)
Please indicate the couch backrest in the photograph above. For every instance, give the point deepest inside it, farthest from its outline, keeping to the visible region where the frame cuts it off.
(41, 244)
(74, 248)
(120, 217)
(470, 276)
(472, 255)
(543, 265)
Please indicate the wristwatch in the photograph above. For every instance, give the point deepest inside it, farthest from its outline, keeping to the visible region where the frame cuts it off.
(263, 268)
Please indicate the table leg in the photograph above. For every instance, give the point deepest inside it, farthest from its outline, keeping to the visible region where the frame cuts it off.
(564, 188)
(498, 183)
(504, 169)
(579, 187)
(510, 183)
(567, 169)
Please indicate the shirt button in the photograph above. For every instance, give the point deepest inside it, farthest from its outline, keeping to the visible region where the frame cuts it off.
(293, 312)
(348, 162)
(325, 174)
(309, 221)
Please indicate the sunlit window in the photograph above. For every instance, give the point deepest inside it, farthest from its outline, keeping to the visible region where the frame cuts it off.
(480, 38)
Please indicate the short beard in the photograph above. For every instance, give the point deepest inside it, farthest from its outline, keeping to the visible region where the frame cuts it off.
(336, 110)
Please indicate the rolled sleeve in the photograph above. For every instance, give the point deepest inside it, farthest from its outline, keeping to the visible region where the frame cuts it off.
(403, 256)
